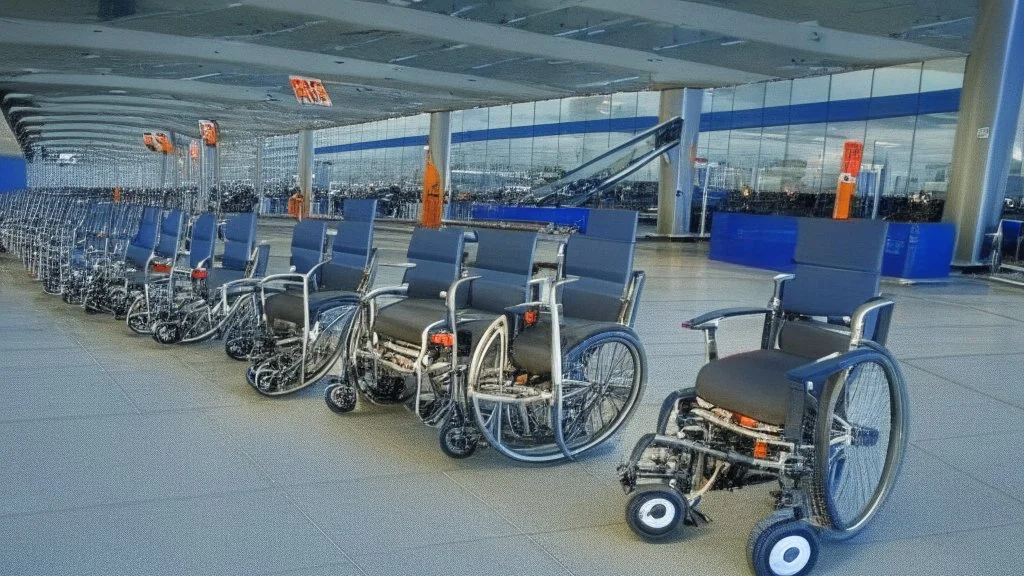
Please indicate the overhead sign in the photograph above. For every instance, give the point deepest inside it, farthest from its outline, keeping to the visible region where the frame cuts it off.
(193, 150)
(309, 91)
(157, 142)
(210, 132)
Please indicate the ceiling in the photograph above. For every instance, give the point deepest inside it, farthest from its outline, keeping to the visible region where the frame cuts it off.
(90, 74)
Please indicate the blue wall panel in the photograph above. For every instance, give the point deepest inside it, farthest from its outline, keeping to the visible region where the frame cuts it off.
(12, 173)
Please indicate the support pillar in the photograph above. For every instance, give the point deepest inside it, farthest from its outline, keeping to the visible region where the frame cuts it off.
(305, 169)
(676, 171)
(257, 180)
(436, 187)
(989, 109)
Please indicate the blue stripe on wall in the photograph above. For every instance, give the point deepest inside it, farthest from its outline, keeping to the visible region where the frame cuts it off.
(12, 173)
(816, 112)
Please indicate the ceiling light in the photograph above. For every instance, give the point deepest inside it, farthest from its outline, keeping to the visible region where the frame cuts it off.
(118, 91)
(733, 42)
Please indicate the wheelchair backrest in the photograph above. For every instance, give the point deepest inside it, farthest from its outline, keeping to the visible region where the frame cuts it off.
(239, 236)
(170, 234)
(437, 255)
(308, 239)
(259, 263)
(203, 240)
(352, 247)
(141, 246)
(838, 268)
(602, 259)
(504, 262)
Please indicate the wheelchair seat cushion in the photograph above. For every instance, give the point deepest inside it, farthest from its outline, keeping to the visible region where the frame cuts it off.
(406, 319)
(531, 349)
(218, 277)
(753, 384)
(287, 306)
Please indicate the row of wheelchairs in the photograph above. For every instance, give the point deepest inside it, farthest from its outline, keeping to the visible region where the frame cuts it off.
(542, 363)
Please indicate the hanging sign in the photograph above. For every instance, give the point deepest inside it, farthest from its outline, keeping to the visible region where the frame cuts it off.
(149, 141)
(853, 152)
(309, 91)
(210, 132)
(163, 143)
(193, 150)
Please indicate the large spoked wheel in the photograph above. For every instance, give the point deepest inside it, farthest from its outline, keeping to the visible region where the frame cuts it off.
(137, 317)
(117, 298)
(781, 546)
(603, 383)
(364, 372)
(654, 511)
(240, 335)
(860, 440)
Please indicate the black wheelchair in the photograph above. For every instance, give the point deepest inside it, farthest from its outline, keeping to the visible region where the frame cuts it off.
(821, 409)
(490, 356)
(306, 314)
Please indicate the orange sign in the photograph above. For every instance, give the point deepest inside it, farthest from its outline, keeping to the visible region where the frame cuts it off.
(310, 91)
(210, 132)
(149, 141)
(193, 150)
(853, 153)
(432, 196)
(163, 143)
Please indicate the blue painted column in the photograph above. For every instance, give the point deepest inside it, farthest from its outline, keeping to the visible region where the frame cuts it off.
(989, 109)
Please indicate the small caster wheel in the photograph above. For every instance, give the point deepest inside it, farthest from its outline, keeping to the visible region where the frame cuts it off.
(782, 546)
(340, 397)
(237, 347)
(458, 439)
(654, 511)
(167, 333)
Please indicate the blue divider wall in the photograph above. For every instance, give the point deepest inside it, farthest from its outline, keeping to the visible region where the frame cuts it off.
(12, 173)
(912, 251)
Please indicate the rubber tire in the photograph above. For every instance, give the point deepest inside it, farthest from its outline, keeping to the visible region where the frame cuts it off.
(447, 436)
(128, 316)
(167, 333)
(643, 496)
(349, 400)
(821, 478)
(770, 532)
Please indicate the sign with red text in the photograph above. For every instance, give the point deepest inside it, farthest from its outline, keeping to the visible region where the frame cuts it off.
(309, 91)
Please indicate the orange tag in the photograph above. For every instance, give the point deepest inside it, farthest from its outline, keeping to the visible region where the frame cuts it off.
(760, 449)
(530, 317)
(442, 339)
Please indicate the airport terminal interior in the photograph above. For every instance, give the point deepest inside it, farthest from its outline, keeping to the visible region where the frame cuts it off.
(574, 287)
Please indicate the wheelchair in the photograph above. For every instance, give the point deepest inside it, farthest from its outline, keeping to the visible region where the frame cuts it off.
(494, 360)
(150, 286)
(820, 409)
(307, 315)
(104, 289)
(218, 294)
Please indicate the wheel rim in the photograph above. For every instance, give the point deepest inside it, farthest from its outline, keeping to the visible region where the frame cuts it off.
(657, 513)
(789, 555)
(601, 388)
(863, 424)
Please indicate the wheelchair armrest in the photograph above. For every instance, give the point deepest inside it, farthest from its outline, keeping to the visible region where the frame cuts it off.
(711, 319)
(400, 290)
(452, 292)
(397, 264)
(860, 316)
(524, 307)
(816, 372)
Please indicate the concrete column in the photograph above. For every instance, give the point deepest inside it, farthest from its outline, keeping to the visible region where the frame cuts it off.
(989, 109)
(439, 143)
(675, 174)
(305, 169)
(258, 177)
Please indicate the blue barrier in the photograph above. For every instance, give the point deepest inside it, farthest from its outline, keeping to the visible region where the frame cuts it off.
(575, 217)
(12, 173)
(912, 251)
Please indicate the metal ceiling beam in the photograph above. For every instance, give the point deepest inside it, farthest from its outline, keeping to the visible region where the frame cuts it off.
(374, 16)
(158, 115)
(808, 37)
(111, 120)
(325, 66)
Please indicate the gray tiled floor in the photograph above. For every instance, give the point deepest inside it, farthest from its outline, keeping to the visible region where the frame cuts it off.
(120, 456)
